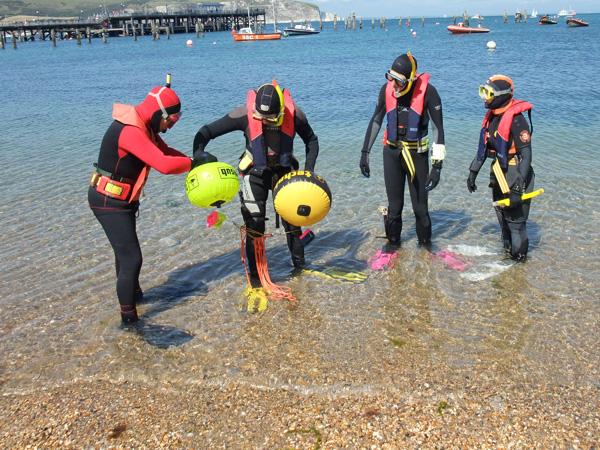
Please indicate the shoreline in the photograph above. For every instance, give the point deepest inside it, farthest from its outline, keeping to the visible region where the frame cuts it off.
(234, 415)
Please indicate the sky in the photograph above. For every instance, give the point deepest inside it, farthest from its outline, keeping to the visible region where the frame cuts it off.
(437, 8)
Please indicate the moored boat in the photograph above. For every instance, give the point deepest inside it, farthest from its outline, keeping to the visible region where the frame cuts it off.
(547, 20)
(300, 30)
(461, 28)
(246, 34)
(575, 22)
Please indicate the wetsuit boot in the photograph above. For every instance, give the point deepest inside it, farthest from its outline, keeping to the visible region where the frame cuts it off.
(128, 314)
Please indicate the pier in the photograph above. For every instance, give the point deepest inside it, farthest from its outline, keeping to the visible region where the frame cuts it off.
(135, 24)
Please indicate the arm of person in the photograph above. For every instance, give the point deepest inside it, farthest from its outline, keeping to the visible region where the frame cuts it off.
(310, 139)
(235, 120)
(375, 122)
(433, 105)
(135, 141)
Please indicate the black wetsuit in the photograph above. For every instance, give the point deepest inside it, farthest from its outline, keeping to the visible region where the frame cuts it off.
(520, 178)
(256, 183)
(395, 171)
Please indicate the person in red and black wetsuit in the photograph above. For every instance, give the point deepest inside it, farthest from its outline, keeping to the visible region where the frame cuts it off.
(505, 137)
(269, 120)
(130, 148)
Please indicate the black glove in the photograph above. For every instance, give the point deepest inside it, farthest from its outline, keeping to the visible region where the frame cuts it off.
(203, 157)
(471, 181)
(434, 176)
(515, 199)
(364, 164)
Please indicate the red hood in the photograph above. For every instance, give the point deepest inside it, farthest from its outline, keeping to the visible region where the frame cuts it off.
(147, 108)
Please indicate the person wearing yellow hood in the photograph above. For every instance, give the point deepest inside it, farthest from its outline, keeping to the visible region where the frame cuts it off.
(409, 102)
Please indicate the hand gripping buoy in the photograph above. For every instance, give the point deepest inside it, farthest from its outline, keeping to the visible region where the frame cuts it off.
(302, 198)
(211, 184)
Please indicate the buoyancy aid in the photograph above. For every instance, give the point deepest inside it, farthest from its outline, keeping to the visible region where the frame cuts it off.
(501, 137)
(417, 104)
(257, 140)
(110, 184)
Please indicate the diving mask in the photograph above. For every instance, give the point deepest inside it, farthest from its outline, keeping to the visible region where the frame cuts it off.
(487, 92)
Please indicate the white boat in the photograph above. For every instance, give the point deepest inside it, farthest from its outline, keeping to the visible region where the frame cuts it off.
(534, 14)
(298, 30)
(477, 17)
(567, 12)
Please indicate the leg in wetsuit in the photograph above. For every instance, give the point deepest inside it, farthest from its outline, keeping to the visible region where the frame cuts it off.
(119, 224)
(513, 221)
(254, 193)
(395, 175)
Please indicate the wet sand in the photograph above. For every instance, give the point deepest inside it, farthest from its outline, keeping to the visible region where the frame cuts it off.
(428, 412)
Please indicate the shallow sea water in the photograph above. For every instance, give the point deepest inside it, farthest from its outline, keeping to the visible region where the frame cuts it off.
(537, 321)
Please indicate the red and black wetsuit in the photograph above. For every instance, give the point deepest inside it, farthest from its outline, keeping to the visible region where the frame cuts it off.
(130, 147)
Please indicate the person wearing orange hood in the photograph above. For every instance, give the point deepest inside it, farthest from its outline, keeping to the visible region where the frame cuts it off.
(130, 148)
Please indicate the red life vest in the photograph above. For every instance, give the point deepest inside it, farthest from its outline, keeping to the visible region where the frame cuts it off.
(257, 140)
(501, 137)
(417, 103)
(127, 115)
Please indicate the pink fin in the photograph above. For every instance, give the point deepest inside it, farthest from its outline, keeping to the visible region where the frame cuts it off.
(452, 260)
(383, 260)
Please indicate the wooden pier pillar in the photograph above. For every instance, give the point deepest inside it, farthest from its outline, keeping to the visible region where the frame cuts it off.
(88, 35)
(354, 21)
(168, 31)
(14, 40)
(172, 27)
(2, 44)
(104, 37)
(78, 36)
(125, 29)
(53, 37)
(134, 31)
(335, 19)
(187, 25)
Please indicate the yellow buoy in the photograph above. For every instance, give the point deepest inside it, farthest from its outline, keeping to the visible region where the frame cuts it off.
(211, 184)
(302, 198)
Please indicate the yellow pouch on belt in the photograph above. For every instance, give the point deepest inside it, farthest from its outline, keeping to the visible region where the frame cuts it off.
(246, 161)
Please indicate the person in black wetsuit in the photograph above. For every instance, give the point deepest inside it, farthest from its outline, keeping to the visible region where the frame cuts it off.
(505, 137)
(409, 101)
(269, 120)
(130, 147)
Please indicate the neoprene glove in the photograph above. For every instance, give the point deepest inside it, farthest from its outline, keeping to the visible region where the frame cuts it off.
(364, 164)
(203, 157)
(471, 186)
(434, 176)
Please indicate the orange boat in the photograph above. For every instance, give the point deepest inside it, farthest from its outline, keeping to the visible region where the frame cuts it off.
(461, 28)
(575, 22)
(246, 34)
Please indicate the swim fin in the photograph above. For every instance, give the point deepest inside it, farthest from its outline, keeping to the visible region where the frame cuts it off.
(335, 273)
(257, 300)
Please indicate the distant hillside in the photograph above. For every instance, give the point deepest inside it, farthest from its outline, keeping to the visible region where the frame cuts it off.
(285, 9)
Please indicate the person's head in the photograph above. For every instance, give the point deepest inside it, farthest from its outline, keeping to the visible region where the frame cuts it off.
(403, 73)
(269, 105)
(497, 91)
(161, 109)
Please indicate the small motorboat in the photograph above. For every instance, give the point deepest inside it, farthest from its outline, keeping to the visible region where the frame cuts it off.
(246, 34)
(477, 17)
(547, 20)
(575, 22)
(300, 30)
(461, 28)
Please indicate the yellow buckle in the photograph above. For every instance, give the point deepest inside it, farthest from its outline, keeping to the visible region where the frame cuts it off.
(113, 189)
